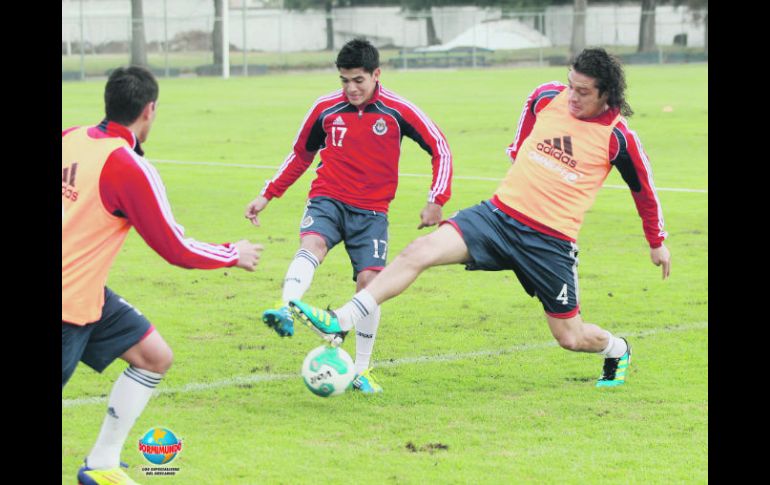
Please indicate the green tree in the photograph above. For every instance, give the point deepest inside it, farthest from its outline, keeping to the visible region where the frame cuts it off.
(578, 27)
(647, 27)
(138, 41)
(700, 12)
(216, 36)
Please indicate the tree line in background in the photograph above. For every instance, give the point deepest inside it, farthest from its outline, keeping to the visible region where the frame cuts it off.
(422, 8)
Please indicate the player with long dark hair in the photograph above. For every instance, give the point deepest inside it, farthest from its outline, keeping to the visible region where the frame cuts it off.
(568, 139)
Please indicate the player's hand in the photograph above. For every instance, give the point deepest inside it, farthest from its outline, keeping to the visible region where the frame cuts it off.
(661, 256)
(254, 208)
(430, 215)
(248, 254)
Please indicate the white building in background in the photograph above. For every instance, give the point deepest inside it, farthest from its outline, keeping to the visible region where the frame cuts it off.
(272, 29)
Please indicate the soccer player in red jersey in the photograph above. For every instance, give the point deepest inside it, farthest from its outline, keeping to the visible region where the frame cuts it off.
(358, 131)
(569, 137)
(107, 188)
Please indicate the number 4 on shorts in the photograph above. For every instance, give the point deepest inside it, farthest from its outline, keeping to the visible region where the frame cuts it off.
(563, 298)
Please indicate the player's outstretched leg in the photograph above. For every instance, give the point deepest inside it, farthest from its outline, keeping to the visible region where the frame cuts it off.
(322, 322)
(280, 319)
(87, 476)
(614, 371)
(578, 336)
(365, 383)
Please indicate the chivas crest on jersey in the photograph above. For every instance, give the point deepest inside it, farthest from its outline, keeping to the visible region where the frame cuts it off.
(380, 127)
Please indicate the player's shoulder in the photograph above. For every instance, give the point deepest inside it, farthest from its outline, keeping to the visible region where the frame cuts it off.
(329, 99)
(544, 94)
(125, 160)
(402, 105)
(621, 130)
(391, 97)
(69, 130)
(549, 90)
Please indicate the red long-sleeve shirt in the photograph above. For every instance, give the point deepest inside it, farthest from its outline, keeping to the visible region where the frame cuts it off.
(360, 148)
(625, 152)
(107, 187)
(130, 187)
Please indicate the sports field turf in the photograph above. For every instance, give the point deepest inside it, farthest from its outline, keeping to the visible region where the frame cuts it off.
(476, 390)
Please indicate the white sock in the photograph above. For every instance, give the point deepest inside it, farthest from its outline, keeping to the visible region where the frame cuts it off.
(366, 331)
(299, 275)
(129, 396)
(352, 312)
(616, 347)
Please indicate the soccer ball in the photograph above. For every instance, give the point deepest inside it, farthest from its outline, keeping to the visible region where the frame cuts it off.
(327, 371)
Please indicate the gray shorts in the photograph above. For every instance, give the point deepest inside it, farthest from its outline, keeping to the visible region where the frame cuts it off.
(546, 266)
(364, 232)
(97, 344)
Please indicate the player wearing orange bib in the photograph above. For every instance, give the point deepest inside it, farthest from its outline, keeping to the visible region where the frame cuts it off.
(569, 137)
(107, 188)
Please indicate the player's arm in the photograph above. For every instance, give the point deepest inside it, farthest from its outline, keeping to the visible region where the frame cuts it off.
(130, 187)
(536, 101)
(310, 139)
(422, 130)
(628, 155)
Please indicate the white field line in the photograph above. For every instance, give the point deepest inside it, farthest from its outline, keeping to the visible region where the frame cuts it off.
(428, 359)
(402, 174)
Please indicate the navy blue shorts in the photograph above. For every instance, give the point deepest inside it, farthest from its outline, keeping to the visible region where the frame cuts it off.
(545, 266)
(364, 232)
(97, 344)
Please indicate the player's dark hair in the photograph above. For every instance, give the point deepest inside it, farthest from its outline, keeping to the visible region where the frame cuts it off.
(358, 53)
(128, 91)
(610, 78)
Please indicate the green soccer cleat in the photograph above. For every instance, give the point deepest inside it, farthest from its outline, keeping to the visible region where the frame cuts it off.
(614, 371)
(322, 322)
(280, 319)
(113, 476)
(365, 383)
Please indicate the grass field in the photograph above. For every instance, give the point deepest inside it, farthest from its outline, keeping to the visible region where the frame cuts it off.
(466, 358)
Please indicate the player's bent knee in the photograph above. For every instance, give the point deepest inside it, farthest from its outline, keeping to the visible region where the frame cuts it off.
(152, 354)
(316, 245)
(568, 342)
(364, 278)
(159, 360)
(568, 332)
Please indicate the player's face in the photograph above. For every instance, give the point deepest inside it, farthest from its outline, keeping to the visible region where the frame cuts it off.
(358, 84)
(584, 99)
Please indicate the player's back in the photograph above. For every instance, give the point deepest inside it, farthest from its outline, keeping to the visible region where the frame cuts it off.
(91, 236)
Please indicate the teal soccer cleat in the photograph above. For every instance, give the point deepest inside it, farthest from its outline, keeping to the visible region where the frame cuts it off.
(322, 322)
(365, 383)
(281, 320)
(614, 371)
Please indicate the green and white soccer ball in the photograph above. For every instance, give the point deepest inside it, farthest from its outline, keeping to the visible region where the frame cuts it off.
(327, 371)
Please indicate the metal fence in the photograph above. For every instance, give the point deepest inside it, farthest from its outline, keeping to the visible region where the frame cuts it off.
(179, 36)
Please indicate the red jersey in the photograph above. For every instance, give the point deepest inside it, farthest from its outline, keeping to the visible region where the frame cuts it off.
(624, 151)
(360, 148)
(107, 187)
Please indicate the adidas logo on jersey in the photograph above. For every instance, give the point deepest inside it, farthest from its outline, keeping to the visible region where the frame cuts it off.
(68, 182)
(553, 147)
(338, 121)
